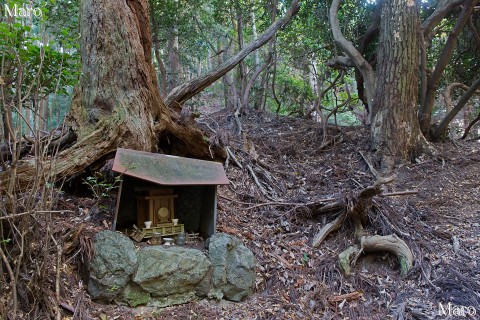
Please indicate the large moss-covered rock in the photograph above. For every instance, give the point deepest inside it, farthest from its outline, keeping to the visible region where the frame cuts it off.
(170, 271)
(113, 265)
(163, 276)
(233, 267)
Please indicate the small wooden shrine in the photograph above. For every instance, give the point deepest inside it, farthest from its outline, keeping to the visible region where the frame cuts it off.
(166, 195)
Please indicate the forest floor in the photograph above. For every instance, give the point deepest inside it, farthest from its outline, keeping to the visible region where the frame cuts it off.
(297, 281)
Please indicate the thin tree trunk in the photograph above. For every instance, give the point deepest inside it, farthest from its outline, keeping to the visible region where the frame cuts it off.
(242, 70)
(158, 56)
(173, 59)
(470, 126)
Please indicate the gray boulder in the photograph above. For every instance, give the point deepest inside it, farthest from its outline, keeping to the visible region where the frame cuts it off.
(114, 263)
(170, 271)
(233, 267)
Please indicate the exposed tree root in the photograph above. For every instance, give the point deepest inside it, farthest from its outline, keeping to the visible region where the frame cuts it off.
(390, 243)
(327, 229)
(356, 209)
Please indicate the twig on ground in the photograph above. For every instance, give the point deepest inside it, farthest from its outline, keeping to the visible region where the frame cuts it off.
(14, 216)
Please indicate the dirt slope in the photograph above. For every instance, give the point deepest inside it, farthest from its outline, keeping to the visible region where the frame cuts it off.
(296, 281)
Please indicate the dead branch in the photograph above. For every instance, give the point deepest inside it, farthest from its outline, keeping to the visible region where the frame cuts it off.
(257, 182)
(370, 165)
(14, 216)
(327, 229)
(348, 296)
(232, 156)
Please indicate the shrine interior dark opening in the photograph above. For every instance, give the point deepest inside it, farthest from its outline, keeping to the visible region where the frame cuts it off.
(194, 206)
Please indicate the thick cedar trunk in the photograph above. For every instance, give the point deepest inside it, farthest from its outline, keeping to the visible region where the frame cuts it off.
(395, 129)
(118, 103)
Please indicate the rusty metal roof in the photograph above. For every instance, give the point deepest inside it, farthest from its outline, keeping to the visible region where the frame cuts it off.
(168, 170)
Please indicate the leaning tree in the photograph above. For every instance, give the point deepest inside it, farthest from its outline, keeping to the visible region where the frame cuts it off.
(117, 102)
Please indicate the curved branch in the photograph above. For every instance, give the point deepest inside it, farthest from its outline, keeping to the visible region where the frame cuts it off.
(441, 130)
(187, 90)
(356, 57)
(443, 7)
(476, 35)
(447, 94)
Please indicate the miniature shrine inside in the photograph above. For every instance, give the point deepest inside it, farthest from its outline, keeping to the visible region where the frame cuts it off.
(166, 195)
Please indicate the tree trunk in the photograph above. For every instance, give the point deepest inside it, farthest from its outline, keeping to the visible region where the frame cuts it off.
(118, 103)
(173, 59)
(395, 129)
(158, 56)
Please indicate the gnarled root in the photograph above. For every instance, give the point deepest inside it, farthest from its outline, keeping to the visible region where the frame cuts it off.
(390, 243)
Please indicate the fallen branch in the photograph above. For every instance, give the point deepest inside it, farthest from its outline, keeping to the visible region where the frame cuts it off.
(260, 187)
(348, 296)
(370, 165)
(231, 155)
(254, 206)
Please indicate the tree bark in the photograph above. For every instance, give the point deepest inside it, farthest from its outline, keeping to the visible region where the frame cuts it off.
(185, 91)
(395, 129)
(118, 103)
(425, 114)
